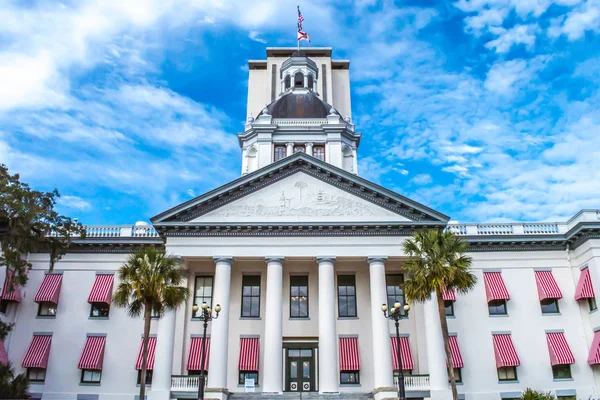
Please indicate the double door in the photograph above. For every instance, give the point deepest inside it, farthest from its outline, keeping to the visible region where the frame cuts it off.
(300, 370)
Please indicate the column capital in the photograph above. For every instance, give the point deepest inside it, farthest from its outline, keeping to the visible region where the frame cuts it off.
(289, 143)
(323, 259)
(374, 259)
(223, 259)
(278, 259)
(310, 144)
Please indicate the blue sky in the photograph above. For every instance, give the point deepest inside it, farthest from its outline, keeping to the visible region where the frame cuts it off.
(486, 110)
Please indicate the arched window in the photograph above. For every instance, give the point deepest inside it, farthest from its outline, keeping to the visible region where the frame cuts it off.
(279, 152)
(348, 158)
(252, 156)
(299, 80)
(288, 82)
(310, 82)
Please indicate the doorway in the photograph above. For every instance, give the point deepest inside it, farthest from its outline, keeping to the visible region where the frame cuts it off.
(300, 370)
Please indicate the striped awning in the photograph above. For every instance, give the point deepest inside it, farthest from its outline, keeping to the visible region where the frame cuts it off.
(457, 360)
(546, 285)
(584, 290)
(93, 353)
(15, 294)
(506, 355)
(195, 357)
(151, 350)
(3, 354)
(102, 289)
(560, 353)
(594, 357)
(494, 286)
(448, 294)
(249, 348)
(407, 361)
(349, 358)
(38, 352)
(49, 289)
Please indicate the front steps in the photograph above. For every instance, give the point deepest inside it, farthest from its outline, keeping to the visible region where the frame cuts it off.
(305, 396)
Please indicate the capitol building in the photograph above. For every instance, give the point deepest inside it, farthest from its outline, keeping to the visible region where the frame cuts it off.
(300, 252)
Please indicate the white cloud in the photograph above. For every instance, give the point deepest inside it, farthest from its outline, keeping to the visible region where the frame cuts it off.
(422, 179)
(506, 78)
(507, 38)
(577, 22)
(74, 203)
(254, 35)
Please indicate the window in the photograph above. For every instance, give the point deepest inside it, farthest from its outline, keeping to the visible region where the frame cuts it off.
(148, 377)
(310, 81)
(458, 375)
(299, 80)
(91, 375)
(298, 296)
(288, 82)
(394, 292)
(299, 149)
(566, 397)
(349, 377)
(549, 306)
(280, 152)
(319, 152)
(592, 304)
(100, 310)
(203, 291)
(449, 308)
(251, 296)
(36, 374)
(497, 307)
(347, 296)
(561, 371)
(507, 373)
(248, 375)
(3, 306)
(46, 309)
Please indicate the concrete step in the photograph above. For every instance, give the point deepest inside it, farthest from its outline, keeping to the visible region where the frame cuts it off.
(303, 396)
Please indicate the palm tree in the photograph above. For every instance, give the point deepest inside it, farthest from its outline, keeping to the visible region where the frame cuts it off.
(149, 282)
(437, 262)
(13, 386)
(530, 394)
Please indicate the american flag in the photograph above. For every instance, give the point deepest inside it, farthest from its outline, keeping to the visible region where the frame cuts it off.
(300, 19)
(301, 35)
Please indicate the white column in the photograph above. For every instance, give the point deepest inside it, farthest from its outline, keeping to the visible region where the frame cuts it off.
(436, 357)
(219, 331)
(382, 351)
(314, 88)
(163, 356)
(272, 344)
(328, 347)
(306, 81)
(309, 148)
(289, 148)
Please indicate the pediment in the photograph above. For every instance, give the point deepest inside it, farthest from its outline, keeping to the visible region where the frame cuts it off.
(300, 198)
(299, 189)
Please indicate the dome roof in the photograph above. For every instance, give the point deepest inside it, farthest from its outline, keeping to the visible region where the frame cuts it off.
(299, 105)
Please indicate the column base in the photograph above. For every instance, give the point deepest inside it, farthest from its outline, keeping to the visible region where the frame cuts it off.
(386, 393)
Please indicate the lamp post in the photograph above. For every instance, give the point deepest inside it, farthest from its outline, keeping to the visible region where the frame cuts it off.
(396, 315)
(205, 317)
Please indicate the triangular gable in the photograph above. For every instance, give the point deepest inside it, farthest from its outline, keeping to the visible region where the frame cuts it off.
(337, 187)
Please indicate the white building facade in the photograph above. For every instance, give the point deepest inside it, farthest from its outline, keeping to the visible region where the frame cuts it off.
(300, 252)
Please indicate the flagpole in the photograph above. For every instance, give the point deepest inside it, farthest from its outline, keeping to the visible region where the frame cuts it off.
(297, 38)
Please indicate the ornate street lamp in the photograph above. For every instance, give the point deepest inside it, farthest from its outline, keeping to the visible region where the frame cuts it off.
(396, 315)
(205, 317)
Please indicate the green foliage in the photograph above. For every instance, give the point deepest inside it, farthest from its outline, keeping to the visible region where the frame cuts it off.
(530, 394)
(150, 278)
(437, 260)
(11, 386)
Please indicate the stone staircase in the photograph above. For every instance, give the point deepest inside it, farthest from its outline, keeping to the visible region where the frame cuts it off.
(303, 396)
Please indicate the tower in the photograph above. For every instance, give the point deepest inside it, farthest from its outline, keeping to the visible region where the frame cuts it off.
(299, 101)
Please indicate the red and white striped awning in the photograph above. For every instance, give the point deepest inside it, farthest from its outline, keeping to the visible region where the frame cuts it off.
(195, 357)
(449, 294)
(584, 289)
(49, 289)
(3, 354)
(15, 294)
(457, 360)
(38, 352)
(560, 353)
(151, 350)
(93, 353)
(102, 289)
(506, 355)
(495, 288)
(407, 360)
(594, 357)
(349, 358)
(249, 348)
(547, 287)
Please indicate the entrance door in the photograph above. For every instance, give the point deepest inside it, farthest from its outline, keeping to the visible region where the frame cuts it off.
(300, 370)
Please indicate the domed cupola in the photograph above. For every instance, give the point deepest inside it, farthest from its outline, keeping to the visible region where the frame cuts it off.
(298, 104)
(299, 73)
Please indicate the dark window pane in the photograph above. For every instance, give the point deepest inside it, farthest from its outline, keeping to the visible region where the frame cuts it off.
(497, 307)
(299, 296)
(351, 309)
(294, 353)
(449, 308)
(306, 353)
(349, 377)
(561, 371)
(293, 369)
(549, 306)
(306, 369)
(255, 290)
(592, 304)
(255, 308)
(251, 296)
